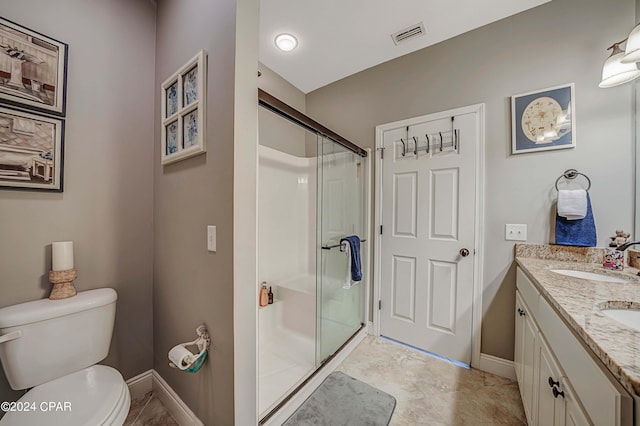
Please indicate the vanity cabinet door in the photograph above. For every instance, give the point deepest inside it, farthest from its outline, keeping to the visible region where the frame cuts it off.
(550, 408)
(519, 338)
(557, 403)
(604, 400)
(525, 350)
(573, 412)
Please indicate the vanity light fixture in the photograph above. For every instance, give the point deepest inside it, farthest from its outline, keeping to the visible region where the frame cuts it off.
(286, 42)
(615, 72)
(632, 51)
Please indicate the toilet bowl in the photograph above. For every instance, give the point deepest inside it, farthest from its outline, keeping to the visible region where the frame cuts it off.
(93, 396)
(52, 347)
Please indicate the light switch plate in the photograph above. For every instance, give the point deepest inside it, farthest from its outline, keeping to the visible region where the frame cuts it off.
(211, 237)
(515, 232)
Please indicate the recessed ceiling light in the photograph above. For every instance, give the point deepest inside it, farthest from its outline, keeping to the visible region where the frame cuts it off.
(286, 42)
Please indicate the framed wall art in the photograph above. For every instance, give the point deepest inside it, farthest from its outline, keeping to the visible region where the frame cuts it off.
(543, 120)
(31, 150)
(33, 69)
(183, 109)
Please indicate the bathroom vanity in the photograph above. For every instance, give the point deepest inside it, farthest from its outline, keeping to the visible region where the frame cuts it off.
(575, 364)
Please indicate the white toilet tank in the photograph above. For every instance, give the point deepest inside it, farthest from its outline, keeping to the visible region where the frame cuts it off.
(52, 338)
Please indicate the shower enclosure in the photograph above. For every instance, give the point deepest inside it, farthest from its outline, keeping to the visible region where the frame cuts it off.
(311, 193)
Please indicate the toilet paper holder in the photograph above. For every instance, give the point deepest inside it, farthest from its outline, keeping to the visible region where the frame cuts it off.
(183, 359)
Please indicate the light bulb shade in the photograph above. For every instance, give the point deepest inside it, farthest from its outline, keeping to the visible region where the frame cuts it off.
(286, 42)
(615, 73)
(632, 50)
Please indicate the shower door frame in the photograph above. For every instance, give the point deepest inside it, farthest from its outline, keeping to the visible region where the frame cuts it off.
(276, 106)
(297, 396)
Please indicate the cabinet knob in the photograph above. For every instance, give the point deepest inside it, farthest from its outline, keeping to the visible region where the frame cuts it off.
(521, 312)
(557, 393)
(553, 383)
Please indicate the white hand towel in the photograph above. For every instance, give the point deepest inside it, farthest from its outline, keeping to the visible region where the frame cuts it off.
(346, 248)
(572, 203)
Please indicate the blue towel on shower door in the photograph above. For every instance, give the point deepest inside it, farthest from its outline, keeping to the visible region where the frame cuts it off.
(354, 249)
(580, 233)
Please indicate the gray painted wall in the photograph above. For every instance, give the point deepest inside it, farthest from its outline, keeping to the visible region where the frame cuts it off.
(106, 207)
(559, 42)
(191, 285)
(276, 132)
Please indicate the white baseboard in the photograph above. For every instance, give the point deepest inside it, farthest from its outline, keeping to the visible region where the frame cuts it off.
(150, 380)
(176, 406)
(296, 400)
(140, 384)
(498, 366)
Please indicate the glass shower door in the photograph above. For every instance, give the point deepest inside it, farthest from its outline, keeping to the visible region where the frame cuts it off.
(340, 213)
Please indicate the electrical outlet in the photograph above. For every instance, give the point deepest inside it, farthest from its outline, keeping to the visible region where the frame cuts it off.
(211, 237)
(515, 232)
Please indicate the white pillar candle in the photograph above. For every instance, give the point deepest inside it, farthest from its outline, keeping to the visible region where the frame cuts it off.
(62, 255)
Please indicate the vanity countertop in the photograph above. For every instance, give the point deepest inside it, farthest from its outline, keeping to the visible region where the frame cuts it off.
(577, 301)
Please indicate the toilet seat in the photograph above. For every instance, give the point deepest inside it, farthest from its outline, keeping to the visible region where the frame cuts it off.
(97, 395)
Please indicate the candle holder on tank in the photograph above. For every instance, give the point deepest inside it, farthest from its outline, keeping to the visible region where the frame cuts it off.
(63, 284)
(63, 270)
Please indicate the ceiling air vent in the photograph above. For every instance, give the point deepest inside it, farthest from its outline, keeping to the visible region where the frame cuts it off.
(408, 33)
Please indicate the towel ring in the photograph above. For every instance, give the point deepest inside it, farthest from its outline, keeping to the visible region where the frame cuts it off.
(572, 174)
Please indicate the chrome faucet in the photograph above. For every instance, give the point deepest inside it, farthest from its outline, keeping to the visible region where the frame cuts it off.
(626, 245)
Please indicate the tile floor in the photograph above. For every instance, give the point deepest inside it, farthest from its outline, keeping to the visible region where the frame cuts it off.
(428, 391)
(148, 411)
(433, 392)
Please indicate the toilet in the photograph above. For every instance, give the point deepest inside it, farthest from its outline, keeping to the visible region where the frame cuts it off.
(53, 347)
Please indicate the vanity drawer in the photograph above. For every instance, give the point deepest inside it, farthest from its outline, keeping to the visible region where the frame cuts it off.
(529, 293)
(604, 399)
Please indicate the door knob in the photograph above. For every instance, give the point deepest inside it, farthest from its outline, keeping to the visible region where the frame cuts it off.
(464, 252)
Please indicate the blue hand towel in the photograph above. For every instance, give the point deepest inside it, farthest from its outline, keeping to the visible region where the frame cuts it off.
(354, 249)
(581, 232)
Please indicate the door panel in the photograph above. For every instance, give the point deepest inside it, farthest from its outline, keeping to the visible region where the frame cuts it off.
(428, 206)
(442, 296)
(444, 204)
(403, 291)
(405, 195)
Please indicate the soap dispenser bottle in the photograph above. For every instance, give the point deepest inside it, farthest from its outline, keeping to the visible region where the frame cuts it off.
(264, 294)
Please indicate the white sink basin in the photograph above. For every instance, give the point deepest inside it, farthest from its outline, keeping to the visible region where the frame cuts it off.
(628, 317)
(590, 276)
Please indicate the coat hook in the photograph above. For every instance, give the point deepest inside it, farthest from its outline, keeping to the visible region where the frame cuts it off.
(453, 134)
(415, 146)
(404, 148)
(428, 142)
(440, 141)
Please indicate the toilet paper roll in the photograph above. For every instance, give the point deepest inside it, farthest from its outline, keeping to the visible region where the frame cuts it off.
(180, 357)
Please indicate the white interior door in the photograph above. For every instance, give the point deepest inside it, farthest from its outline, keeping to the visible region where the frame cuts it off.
(428, 239)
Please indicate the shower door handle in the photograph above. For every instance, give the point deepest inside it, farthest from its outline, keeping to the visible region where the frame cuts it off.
(464, 252)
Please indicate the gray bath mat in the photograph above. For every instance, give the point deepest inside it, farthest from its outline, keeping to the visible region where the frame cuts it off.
(342, 400)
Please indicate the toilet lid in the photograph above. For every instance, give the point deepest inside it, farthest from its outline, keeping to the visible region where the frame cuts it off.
(86, 397)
